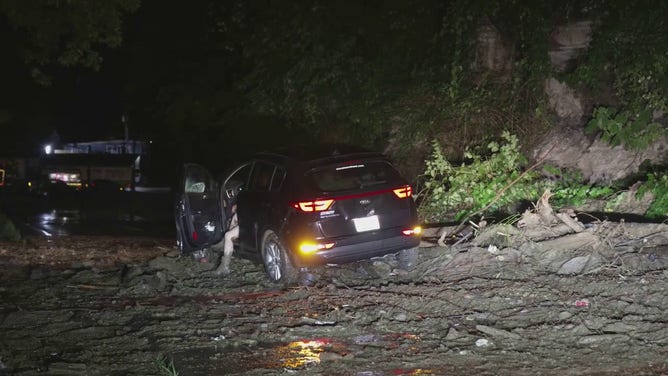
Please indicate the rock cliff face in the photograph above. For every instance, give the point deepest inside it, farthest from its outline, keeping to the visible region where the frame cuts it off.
(565, 103)
(567, 42)
(566, 145)
(571, 148)
(569, 111)
(493, 52)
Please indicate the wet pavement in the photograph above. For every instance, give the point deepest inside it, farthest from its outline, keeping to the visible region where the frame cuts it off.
(145, 213)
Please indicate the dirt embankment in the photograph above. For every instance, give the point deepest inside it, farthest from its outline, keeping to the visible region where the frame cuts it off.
(551, 296)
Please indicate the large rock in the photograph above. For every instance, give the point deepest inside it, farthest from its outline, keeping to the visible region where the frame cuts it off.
(599, 162)
(567, 42)
(564, 102)
(493, 52)
(567, 144)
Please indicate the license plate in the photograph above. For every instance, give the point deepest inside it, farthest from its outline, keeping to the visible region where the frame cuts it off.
(366, 223)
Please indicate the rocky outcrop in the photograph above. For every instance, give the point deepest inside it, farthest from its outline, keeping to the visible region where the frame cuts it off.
(567, 42)
(570, 148)
(567, 146)
(564, 101)
(493, 52)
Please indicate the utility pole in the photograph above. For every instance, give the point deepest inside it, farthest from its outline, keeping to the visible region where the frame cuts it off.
(126, 134)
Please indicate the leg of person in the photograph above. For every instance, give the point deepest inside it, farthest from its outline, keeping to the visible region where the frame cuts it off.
(228, 248)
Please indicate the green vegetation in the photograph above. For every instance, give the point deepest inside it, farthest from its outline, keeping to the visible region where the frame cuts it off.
(628, 54)
(406, 69)
(8, 230)
(482, 183)
(657, 184)
(497, 181)
(634, 132)
(349, 70)
(577, 194)
(165, 366)
(56, 34)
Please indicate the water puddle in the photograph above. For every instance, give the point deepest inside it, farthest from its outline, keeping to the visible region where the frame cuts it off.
(247, 355)
(243, 357)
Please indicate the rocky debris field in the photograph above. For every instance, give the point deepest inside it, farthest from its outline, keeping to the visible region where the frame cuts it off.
(548, 296)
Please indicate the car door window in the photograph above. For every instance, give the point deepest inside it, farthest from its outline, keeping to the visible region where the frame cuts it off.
(236, 182)
(261, 176)
(198, 181)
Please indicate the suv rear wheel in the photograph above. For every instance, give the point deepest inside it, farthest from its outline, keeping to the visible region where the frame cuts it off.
(276, 261)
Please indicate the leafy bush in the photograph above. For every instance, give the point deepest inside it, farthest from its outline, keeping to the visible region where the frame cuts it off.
(483, 183)
(658, 185)
(622, 128)
(579, 194)
(569, 188)
(7, 229)
(165, 366)
(497, 181)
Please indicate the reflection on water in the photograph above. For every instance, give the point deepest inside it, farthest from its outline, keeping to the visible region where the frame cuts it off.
(234, 359)
(55, 221)
(415, 371)
(59, 217)
(100, 214)
(300, 354)
(290, 357)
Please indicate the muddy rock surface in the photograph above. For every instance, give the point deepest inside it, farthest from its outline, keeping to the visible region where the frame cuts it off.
(546, 296)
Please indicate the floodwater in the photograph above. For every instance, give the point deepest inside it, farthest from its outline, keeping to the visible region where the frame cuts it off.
(145, 213)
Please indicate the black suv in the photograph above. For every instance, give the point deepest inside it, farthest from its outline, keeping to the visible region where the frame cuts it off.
(301, 207)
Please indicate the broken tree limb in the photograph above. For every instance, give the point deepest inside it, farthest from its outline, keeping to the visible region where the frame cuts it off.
(569, 221)
(498, 195)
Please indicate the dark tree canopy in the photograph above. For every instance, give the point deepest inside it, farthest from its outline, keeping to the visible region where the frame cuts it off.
(207, 73)
(44, 44)
(64, 32)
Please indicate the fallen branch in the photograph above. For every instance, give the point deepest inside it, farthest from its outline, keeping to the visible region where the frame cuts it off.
(642, 239)
(497, 197)
(92, 287)
(570, 222)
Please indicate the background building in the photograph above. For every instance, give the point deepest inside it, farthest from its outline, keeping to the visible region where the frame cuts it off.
(82, 164)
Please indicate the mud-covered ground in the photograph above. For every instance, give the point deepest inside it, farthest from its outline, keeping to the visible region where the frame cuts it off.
(511, 301)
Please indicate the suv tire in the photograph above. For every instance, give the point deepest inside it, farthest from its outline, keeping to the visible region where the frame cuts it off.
(276, 262)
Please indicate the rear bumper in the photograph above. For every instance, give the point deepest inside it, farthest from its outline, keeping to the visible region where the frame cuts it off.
(343, 253)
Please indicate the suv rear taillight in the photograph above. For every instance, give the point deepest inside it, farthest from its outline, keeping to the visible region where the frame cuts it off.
(313, 206)
(417, 230)
(321, 205)
(403, 192)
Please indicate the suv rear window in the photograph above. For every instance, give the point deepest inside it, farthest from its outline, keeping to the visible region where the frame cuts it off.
(355, 175)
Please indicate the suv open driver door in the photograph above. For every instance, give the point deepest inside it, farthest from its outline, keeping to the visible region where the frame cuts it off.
(198, 211)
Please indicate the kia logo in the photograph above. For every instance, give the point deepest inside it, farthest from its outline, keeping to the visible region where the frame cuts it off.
(365, 202)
